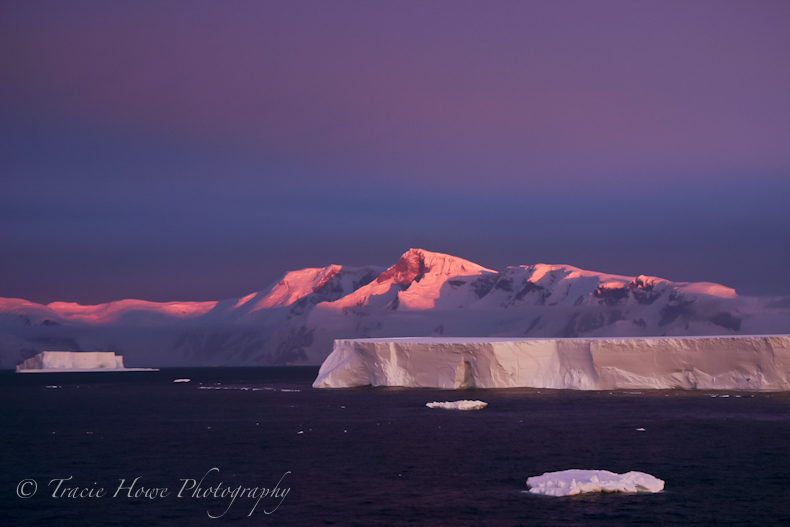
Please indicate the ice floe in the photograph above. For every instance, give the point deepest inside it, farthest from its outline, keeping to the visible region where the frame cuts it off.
(577, 481)
(458, 405)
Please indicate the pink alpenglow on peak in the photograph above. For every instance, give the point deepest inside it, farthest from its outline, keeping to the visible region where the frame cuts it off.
(695, 288)
(295, 285)
(419, 280)
(416, 264)
(313, 285)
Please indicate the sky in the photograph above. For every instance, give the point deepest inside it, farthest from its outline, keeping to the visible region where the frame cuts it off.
(199, 150)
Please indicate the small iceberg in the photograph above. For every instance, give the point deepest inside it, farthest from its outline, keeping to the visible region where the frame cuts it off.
(575, 481)
(181, 380)
(458, 405)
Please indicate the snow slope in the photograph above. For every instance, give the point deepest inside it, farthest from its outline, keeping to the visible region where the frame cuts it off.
(296, 319)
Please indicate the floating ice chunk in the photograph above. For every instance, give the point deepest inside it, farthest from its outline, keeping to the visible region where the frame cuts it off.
(242, 388)
(287, 390)
(458, 405)
(640, 429)
(576, 481)
(181, 380)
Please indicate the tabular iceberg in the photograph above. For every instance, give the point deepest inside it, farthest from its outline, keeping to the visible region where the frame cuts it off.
(753, 363)
(572, 482)
(75, 361)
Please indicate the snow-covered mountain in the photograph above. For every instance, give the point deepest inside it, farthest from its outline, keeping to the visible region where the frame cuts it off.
(295, 320)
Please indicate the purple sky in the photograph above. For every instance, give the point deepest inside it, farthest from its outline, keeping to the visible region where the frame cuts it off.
(196, 151)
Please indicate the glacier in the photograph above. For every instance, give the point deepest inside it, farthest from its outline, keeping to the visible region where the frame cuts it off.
(71, 361)
(576, 481)
(749, 363)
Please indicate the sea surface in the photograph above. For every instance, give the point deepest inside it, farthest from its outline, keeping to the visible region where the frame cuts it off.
(375, 456)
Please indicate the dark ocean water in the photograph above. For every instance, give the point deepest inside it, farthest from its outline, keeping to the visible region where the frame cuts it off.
(378, 456)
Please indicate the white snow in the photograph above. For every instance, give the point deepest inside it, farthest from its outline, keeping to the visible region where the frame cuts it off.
(74, 361)
(458, 405)
(576, 481)
(753, 363)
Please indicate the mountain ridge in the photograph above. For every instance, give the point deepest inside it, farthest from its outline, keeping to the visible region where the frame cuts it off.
(295, 320)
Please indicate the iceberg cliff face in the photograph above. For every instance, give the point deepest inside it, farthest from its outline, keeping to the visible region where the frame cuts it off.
(754, 363)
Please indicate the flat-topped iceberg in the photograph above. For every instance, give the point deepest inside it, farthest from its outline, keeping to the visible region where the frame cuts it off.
(754, 363)
(75, 361)
(458, 405)
(575, 481)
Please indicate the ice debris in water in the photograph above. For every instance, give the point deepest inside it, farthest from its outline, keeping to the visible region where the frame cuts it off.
(458, 405)
(576, 481)
(181, 380)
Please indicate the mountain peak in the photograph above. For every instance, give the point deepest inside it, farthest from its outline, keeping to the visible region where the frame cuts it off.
(414, 282)
(414, 264)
